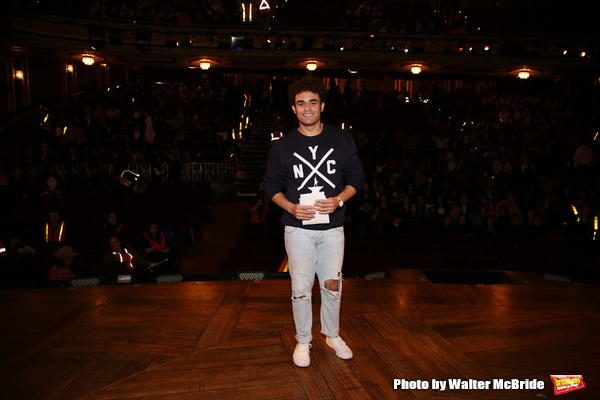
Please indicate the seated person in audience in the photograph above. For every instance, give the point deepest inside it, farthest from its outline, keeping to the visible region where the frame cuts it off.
(114, 227)
(395, 225)
(537, 229)
(516, 228)
(259, 213)
(414, 214)
(502, 222)
(19, 262)
(490, 228)
(477, 218)
(55, 232)
(154, 244)
(124, 260)
(63, 259)
(3, 251)
(3, 262)
(463, 227)
(20, 259)
(18, 247)
(510, 204)
(488, 206)
(446, 226)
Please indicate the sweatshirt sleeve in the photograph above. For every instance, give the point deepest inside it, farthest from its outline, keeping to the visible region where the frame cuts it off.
(274, 179)
(353, 170)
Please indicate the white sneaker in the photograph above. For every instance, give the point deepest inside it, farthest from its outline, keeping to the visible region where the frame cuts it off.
(302, 354)
(341, 348)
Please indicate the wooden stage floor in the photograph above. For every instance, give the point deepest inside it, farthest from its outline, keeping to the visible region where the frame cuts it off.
(234, 340)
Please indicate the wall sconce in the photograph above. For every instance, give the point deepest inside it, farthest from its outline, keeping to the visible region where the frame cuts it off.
(205, 63)
(311, 65)
(524, 73)
(70, 68)
(19, 74)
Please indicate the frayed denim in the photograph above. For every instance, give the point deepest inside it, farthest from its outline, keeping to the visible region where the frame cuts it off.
(313, 252)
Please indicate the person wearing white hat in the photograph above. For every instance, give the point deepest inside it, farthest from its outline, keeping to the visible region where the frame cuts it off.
(60, 271)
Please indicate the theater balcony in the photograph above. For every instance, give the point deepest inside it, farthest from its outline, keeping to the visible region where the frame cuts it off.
(395, 38)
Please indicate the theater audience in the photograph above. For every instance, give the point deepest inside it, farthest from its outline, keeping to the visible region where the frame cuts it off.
(469, 184)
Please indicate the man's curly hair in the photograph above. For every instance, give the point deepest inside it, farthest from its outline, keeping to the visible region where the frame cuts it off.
(307, 84)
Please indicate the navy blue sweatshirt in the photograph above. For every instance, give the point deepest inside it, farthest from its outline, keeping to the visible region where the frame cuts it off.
(328, 160)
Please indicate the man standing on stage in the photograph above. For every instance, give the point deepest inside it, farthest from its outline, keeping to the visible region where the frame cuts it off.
(312, 171)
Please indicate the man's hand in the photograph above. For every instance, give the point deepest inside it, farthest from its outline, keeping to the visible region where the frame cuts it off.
(326, 206)
(303, 212)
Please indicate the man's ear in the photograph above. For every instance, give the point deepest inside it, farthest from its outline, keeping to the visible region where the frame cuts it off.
(322, 106)
(294, 109)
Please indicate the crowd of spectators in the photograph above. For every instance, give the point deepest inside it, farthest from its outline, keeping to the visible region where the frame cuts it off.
(60, 252)
(84, 144)
(437, 16)
(489, 162)
(164, 125)
(484, 162)
(177, 13)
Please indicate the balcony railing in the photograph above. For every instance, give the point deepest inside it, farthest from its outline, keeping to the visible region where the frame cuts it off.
(212, 172)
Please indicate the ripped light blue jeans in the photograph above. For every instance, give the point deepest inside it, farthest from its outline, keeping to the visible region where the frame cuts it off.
(313, 252)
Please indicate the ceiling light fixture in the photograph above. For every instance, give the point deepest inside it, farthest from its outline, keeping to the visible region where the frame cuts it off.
(524, 73)
(312, 64)
(416, 68)
(205, 63)
(87, 58)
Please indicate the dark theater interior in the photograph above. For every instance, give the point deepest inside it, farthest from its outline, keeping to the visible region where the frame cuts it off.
(140, 257)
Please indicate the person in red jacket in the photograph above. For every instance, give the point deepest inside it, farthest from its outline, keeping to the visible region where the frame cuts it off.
(124, 260)
(2, 249)
(61, 270)
(154, 244)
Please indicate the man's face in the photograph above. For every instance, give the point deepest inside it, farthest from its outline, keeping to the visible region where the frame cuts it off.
(54, 217)
(115, 244)
(308, 107)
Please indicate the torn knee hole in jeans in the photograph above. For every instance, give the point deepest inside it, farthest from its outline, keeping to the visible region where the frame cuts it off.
(301, 287)
(334, 285)
(298, 298)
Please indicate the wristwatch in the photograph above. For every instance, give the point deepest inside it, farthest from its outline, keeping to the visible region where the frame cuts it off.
(341, 202)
